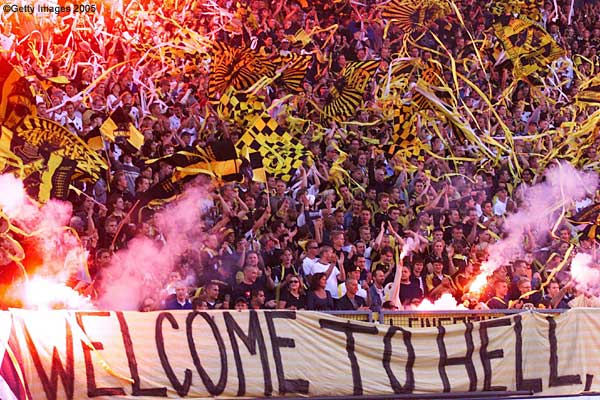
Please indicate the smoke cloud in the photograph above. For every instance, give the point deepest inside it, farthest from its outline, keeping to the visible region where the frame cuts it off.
(540, 211)
(137, 271)
(586, 274)
(53, 251)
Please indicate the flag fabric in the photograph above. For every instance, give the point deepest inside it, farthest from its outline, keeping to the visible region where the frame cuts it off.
(8, 159)
(404, 130)
(237, 67)
(240, 107)
(357, 74)
(37, 138)
(94, 139)
(53, 182)
(219, 160)
(527, 8)
(527, 44)
(162, 192)
(294, 69)
(279, 153)
(16, 97)
(589, 219)
(120, 125)
(255, 159)
(346, 96)
(431, 75)
(412, 16)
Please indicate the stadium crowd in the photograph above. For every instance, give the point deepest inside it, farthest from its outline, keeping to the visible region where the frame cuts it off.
(323, 240)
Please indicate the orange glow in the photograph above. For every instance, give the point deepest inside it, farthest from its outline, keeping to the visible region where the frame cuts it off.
(45, 294)
(445, 302)
(478, 284)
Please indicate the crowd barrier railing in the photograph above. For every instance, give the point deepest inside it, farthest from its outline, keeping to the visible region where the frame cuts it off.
(424, 319)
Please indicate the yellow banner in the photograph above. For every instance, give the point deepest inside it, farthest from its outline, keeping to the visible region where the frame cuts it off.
(174, 354)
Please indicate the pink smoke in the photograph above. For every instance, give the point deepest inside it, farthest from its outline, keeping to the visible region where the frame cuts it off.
(46, 229)
(140, 270)
(586, 274)
(541, 209)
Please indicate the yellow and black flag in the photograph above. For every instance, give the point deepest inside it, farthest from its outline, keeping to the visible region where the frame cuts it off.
(36, 138)
(279, 153)
(94, 139)
(240, 107)
(413, 16)
(16, 97)
(589, 218)
(346, 96)
(404, 130)
(119, 126)
(54, 180)
(218, 160)
(531, 9)
(527, 44)
(431, 75)
(293, 73)
(237, 67)
(257, 167)
(163, 192)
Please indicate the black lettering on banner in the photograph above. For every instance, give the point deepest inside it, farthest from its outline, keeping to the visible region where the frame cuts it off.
(250, 340)
(66, 372)
(350, 329)
(285, 385)
(467, 361)
(181, 389)
(555, 379)
(487, 356)
(535, 384)
(441, 320)
(589, 378)
(411, 320)
(409, 385)
(92, 389)
(136, 389)
(213, 389)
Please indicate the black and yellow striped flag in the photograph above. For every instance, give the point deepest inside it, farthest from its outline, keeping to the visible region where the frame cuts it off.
(294, 70)
(37, 138)
(16, 97)
(218, 160)
(345, 97)
(413, 15)
(237, 67)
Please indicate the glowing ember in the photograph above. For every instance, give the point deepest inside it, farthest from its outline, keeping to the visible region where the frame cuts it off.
(478, 284)
(445, 302)
(44, 294)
